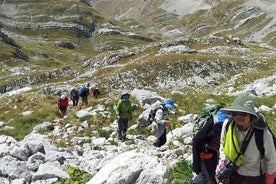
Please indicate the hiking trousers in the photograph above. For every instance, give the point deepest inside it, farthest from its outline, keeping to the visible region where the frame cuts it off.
(161, 140)
(122, 128)
(236, 178)
(75, 100)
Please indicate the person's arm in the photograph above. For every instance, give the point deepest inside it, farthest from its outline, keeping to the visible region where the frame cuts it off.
(118, 107)
(159, 119)
(270, 157)
(58, 102)
(222, 156)
(130, 111)
(67, 101)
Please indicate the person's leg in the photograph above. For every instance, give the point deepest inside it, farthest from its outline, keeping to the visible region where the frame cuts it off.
(210, 166)
(199, 179)
(75, 102)
(208, 170)
(120, 128)
(124, 128)
(63, 113)
(161, 140)
(86, 100)
(81, 103)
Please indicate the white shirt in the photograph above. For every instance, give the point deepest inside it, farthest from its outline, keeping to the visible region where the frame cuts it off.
(252, 157)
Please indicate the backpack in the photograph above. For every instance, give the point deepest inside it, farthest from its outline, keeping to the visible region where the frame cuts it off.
(74, 93)
(259, 134)
(152, 113)
(83, 91)
(206, 137)
(147, 117)
(205, 114)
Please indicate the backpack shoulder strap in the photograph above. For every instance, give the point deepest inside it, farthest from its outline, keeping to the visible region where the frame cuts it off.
(259, 138)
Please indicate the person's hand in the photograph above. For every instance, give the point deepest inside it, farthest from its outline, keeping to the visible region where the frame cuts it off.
(167, 122)
(219, 168)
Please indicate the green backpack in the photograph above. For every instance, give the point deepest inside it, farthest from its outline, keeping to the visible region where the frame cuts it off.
(205, 113)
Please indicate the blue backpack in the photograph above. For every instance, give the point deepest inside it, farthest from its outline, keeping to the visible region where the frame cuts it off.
(83, 91)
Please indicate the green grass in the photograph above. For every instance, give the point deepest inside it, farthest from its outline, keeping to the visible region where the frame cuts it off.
(77, 176)
(181, 172)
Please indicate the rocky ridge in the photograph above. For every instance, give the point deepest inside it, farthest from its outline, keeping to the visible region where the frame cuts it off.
(37, 159)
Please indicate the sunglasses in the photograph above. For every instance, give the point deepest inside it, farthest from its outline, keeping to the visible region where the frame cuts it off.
(240, 114)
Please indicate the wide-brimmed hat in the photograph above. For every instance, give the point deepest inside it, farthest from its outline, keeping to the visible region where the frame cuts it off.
(245, 104)
(169, 103)
(62, 97)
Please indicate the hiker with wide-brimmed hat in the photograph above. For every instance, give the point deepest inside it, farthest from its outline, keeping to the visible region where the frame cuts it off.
(241, 159)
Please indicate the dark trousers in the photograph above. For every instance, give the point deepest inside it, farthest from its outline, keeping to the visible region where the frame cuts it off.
(122, 128)
(75, 101)
(207, 174)
(161, 140)
(236, 178)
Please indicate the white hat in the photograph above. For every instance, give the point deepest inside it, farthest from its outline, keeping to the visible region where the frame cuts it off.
(62, 97)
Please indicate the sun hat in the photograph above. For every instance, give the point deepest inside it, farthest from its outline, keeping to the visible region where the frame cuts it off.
(62, 97)
(169, 103)
(125, 92)
(244, 103)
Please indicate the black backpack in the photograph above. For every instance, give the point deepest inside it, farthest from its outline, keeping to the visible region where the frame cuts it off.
(152, 113)
(259, 134)
(206, 136)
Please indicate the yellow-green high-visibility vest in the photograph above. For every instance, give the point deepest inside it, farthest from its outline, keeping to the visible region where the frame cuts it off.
(231, 146)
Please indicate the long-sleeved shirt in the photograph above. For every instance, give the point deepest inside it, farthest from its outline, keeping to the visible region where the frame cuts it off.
(124, 109)
(252, 157)
(160, 118)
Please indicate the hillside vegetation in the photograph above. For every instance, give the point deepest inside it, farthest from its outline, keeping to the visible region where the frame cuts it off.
(52, 47)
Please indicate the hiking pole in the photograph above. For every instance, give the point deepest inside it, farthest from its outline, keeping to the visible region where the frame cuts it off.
(171, 129)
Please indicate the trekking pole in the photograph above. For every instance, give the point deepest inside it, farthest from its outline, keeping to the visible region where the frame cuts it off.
(171, 129)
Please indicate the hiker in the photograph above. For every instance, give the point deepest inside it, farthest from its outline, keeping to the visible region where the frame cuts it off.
(62, 105)
(161, 120)
(74, 96)
(206, 142)
(124, 114)
(240, 156)
(84, 93)
(95, 92)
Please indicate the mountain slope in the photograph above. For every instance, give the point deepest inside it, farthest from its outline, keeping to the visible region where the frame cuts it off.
(162, 43)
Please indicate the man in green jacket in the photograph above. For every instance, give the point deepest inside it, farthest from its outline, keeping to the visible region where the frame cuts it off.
(124, 114)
